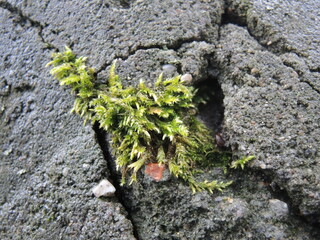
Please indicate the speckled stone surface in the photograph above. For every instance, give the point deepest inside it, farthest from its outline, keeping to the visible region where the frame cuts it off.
(262, 55)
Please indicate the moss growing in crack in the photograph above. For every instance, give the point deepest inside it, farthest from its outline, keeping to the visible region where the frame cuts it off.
(241, 162)
(147, 125)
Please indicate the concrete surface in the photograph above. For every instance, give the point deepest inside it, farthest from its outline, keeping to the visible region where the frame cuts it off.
(261, 58)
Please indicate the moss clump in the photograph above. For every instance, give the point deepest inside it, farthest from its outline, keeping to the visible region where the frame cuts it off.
(147, 125)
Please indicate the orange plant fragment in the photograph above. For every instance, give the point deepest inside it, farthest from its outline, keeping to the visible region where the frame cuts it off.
(155, 170)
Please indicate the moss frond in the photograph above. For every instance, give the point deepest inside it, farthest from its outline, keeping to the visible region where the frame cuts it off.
(146, 124)
(241, 162)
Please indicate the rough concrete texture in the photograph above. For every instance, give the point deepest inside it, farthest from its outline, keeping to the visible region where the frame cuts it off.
(49, 160)
(264, 55)
(277, 70)
(277, 116)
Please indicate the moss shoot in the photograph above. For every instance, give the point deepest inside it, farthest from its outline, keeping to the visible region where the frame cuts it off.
(147, 124)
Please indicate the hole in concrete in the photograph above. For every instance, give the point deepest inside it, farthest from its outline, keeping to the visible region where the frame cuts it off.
(233, 15)
(125, 4)
(211, 113)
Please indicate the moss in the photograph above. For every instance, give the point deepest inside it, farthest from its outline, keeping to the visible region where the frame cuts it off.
(241, 162)
(147, 125)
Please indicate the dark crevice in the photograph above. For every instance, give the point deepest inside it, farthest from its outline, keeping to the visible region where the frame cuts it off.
(125, 3)
(302, 78)
(22, 19)
(232, 16)
(211, 113)
(102, 68)
(122, 4)
(311, 85)
(276, 191)
(115, 178)
(23, 88)
(316, 70)
(235, 17)
(175, 46)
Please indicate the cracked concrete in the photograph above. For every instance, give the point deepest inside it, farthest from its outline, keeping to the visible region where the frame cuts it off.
(24, 20)
(298, 54)
(256, 85)
(277, 31)
(49, 161)
(268, 70)
(110, 22)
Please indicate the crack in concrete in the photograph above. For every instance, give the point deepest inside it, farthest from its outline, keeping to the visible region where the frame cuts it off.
(175, 46)
(316, 70)
(302, 78)
(311, 85)
(22, 18)
(236, 20)
(211, 114)
(100, 133)
(102, 142)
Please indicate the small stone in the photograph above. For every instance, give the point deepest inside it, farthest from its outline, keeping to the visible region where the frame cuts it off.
(104, 189)
(279, 208)
(155, 171)
(169, 68)
(22, 171)
(7, 152)
(86, 166)
(263, 166)
(186, 78)
(255, 71)
(269, 8)
(218, 199)
(65, 171)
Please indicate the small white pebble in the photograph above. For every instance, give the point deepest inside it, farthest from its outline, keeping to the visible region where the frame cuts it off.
(65, 171)
(104, 189)
(169, 68)
(7, 152)
(186, 78)
(86, 166)
(22, 171)
(255, 71)
(263, 166)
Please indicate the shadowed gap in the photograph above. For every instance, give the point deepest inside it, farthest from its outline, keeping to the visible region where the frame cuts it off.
(102, 139)
(212, 112)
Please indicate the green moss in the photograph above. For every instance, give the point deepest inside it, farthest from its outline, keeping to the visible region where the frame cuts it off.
(241, 162)
(146, 124)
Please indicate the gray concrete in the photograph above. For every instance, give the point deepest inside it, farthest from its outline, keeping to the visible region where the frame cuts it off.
(264, 55)
(277, 116)
(49, 160)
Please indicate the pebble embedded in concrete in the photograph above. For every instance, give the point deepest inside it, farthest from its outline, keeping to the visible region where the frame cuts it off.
(186, 78)
(279, 208)
(169, 68)
(104, 189)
